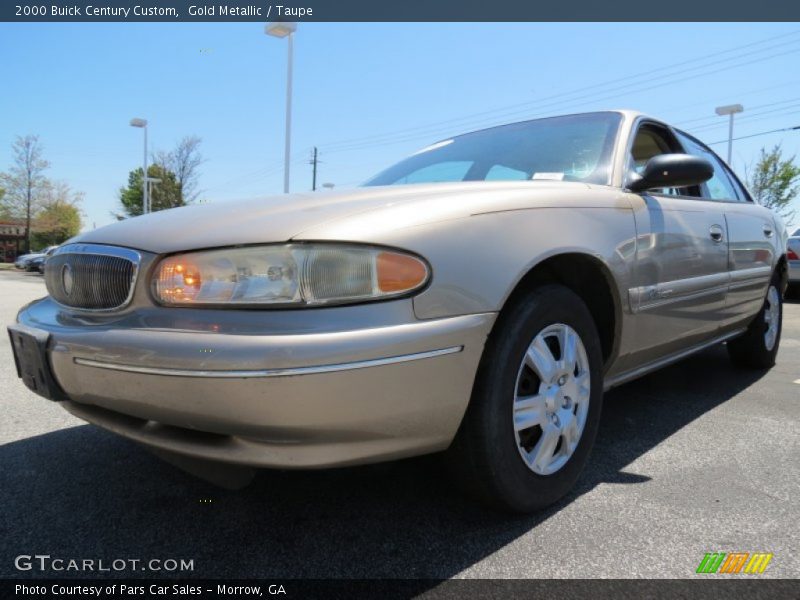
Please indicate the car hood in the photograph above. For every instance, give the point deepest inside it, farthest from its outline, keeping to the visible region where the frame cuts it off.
(283, 218)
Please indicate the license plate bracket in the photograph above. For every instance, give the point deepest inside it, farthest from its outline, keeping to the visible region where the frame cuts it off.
(29, 347)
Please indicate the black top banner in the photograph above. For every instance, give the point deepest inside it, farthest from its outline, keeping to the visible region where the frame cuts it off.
(402, 10)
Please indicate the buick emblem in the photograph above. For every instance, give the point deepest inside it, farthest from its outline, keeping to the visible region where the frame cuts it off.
(67, 280)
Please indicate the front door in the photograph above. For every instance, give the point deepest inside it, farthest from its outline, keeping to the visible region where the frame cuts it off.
(681, 272)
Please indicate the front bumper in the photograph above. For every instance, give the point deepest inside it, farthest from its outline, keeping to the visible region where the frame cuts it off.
(296, 391)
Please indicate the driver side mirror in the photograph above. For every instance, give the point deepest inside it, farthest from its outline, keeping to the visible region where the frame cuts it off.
(672, 171)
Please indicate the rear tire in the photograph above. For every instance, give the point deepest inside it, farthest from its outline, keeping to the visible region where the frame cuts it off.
(535, 406)
(757, 347)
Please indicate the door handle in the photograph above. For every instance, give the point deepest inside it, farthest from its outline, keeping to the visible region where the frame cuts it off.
(715, 231)
(767, 231)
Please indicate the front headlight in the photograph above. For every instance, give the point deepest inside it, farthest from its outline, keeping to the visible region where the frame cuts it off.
(293, 274)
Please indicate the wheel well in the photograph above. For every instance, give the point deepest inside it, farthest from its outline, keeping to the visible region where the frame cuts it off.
(587, 277)
(783, 270)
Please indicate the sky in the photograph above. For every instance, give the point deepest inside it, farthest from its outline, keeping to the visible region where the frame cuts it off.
(367, 94)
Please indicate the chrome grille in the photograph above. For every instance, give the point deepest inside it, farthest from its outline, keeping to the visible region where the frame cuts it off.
(91, 277)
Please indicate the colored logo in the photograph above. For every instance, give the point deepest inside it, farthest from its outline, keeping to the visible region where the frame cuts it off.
(751, 563)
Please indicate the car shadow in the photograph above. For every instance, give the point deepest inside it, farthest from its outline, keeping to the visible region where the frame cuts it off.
(84, 493)
(23, 273)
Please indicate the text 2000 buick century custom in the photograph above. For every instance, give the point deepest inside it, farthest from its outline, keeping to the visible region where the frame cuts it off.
(481, 308)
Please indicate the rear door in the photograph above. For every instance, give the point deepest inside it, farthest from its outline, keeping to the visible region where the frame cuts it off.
(752, 237)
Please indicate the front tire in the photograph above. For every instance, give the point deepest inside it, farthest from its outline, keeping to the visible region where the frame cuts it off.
(536, 404)
(757, 347)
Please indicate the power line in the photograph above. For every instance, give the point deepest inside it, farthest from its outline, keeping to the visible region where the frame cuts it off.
(757, 116)
(570, 105)
(744, 137)
(258, 175)
(749, 108)
(427, 131)
(760, 90)
(767, 117)
(572, 92)
(542, 102)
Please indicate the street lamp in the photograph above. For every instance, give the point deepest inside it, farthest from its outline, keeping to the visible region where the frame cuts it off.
(730, 110)
(285, 30)
(142, 123)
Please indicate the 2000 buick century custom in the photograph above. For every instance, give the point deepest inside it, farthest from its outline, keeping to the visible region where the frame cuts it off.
(477, 297)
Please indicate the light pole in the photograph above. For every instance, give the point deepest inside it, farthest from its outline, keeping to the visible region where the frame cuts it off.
(729, 110)
(142, 123)
(285, 30)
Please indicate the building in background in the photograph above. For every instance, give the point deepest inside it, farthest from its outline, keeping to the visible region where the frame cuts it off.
(12, 239)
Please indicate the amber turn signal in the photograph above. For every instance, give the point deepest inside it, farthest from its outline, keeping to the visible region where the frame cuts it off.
(399, 272)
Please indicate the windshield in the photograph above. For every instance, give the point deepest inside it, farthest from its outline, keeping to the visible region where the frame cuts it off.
(571, 148)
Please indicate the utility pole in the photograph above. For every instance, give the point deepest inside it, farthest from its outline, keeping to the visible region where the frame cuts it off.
(313, 162)
(29, 199)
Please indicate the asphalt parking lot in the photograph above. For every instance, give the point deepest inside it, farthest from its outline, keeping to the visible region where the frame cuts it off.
(697, 458)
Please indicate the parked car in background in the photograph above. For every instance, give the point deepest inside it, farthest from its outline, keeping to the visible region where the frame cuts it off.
(793, 256)
(476, 298)
(24, 262)
(47, 255)
(21, 262)
(37, 264)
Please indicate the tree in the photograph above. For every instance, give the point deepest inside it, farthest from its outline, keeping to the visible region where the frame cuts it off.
(163, 195)
(775, 181)
(184, 161)
(24, 181)
(56, 224)
(59, 218)
(4, 212)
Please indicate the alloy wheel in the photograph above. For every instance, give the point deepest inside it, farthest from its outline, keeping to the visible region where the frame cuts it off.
(551, 398)
(772, 316)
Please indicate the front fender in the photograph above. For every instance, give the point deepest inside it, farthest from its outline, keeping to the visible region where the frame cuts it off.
(477, 260)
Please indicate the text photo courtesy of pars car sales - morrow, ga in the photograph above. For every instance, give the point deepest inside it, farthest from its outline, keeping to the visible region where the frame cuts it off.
(400, 300)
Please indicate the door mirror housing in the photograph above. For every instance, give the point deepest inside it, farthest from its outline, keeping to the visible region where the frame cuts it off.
(672, 171)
